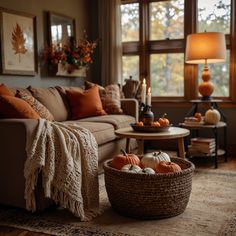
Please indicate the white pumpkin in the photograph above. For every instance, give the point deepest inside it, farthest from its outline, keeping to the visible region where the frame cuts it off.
(212, 116)
(131, 168)
(147, 170)
(152, 159)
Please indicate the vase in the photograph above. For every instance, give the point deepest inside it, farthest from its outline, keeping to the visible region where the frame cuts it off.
(146, 115)
(69, 70)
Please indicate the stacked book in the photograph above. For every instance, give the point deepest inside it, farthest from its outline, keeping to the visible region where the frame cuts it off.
(201, 146)
(193, 121)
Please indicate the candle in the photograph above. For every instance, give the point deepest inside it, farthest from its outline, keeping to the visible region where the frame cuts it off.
(143, 92)
(149, 97)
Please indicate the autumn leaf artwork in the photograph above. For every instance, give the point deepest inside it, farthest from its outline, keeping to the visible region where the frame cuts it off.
(18, 41)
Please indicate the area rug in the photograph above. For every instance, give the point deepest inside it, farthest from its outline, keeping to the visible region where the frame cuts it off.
(211, 211)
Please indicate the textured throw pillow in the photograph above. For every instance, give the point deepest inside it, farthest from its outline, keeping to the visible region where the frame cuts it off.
(110, 97)
(4, 90)
(52, 100)
(36, 105)
(85, 103)
(13, 107)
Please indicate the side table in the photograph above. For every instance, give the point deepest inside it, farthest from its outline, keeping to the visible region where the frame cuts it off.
(173, 133)
(215, 129)
(212, 103)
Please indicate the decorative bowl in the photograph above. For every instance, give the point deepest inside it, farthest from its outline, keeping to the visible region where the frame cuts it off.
(149, 128)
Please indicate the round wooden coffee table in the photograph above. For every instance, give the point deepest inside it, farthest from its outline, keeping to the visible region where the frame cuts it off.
(173, 133)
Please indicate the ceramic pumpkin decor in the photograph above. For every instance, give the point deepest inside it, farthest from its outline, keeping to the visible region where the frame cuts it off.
(167, 167)
(147, 170)
(212, 116)
(131, 168)
(122, 159)
(152, 159)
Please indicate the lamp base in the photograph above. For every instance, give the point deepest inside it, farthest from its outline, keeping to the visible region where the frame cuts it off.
(206, 88)
(206, 98)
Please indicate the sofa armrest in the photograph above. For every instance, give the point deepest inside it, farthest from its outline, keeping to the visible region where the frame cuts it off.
(13, 155)
(130, 107)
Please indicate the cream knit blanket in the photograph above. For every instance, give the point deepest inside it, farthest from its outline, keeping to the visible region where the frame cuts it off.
(67, 157)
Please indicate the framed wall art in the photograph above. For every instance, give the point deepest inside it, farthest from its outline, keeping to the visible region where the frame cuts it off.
(18, 43)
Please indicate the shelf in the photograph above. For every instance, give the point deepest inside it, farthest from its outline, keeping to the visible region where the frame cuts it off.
(220, 124)
(220, 152)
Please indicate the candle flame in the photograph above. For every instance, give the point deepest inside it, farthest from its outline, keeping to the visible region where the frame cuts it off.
(149, 90)
(144, 81)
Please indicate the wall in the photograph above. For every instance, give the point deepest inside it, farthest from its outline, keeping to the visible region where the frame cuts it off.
(73, 8)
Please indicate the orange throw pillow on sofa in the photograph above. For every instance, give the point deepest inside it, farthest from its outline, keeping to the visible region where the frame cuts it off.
(85, 103)
(13, 107)
(4, 90)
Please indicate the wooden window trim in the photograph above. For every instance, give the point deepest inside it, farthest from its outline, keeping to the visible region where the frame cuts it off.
(145, 47)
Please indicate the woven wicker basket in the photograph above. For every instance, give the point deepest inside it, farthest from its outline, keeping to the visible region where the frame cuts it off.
(147, 196)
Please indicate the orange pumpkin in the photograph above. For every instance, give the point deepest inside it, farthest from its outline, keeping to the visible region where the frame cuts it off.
(167, 167)
(156, 124)
(198, 115)
(123, 159)
(164, 121)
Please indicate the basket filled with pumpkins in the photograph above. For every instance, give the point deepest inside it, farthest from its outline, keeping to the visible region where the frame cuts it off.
(149, 187)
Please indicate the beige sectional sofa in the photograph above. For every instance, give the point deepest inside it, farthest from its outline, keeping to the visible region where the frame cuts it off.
(13, 141)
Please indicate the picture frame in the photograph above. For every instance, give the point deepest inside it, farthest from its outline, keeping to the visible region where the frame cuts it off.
(61, 29)
(18, 43)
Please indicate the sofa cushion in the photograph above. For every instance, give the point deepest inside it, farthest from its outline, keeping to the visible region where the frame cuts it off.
(13, 107)
(23, 90)
(52, 100)
(4, 90)
(36, 105)
(62, 91)
(103, 132)
(118, 121)
(85, 103)
(110, 97)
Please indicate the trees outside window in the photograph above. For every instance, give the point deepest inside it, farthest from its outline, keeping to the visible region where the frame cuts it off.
(154, 34)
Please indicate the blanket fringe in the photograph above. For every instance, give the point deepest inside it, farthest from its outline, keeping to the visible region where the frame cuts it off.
(74, 206)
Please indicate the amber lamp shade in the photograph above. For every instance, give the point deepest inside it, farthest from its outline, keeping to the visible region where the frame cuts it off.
(204, 48)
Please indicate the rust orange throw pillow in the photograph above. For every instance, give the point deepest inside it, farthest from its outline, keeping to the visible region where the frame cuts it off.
(85, 103)
(4, 90)
(13, 107)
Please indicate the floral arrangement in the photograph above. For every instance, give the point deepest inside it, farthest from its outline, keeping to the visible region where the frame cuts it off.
(76, 55)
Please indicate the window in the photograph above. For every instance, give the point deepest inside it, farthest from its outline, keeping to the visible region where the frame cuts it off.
(153, 37)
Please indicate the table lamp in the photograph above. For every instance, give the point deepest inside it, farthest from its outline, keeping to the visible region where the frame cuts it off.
(204, 48)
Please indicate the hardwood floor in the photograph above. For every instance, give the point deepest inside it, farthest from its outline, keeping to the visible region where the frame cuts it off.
(199, 163)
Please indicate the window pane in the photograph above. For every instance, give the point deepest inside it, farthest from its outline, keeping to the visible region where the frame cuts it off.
(130, 67)
(214, 15)
(167, 74)
(219, 77)
(130, 22)
(167, 20)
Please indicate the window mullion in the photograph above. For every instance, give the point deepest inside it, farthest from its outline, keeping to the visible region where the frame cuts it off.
(144, 28)
(233, 52)
(190, 71)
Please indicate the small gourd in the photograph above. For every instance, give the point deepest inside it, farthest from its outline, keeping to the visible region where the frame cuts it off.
(147, 170)
(152, 159)
(164, 121)
(167, 167)
(212, 116)
(131, 168)
(125, 158)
